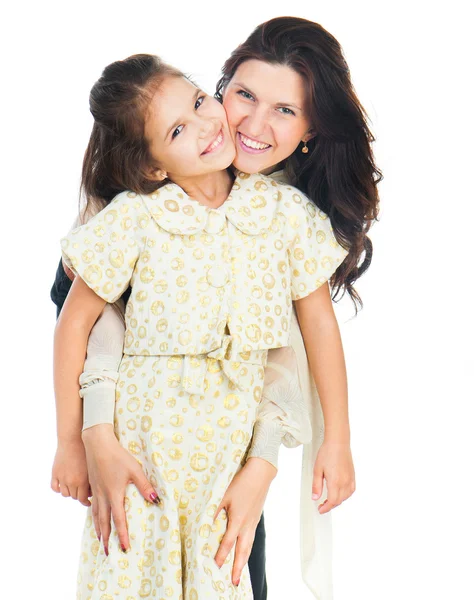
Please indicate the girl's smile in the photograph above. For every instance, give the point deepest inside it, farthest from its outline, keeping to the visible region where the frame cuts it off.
(216, 144)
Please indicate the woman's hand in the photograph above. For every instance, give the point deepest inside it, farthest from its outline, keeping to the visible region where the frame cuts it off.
(111, 469)
(333, 463)
(69, 476)
(243, 502)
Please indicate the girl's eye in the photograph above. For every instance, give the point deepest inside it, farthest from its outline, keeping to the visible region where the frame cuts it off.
(286, 111)
(245, 95)
(199, 101)
(177, 131)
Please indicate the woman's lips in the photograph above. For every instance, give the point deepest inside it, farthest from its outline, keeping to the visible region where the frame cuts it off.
(217, 143)
(251, 146)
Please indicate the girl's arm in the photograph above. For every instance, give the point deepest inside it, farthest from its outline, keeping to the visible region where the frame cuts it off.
(323, 344)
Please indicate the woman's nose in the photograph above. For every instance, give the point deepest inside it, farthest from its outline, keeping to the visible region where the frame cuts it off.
(255, 123)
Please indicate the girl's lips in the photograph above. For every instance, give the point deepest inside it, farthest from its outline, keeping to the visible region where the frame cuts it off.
(248, 149)
(215, 144)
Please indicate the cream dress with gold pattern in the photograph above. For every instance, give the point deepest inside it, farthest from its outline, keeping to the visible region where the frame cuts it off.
(212, 292)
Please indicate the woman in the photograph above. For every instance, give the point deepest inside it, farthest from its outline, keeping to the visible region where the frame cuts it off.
(294, 114)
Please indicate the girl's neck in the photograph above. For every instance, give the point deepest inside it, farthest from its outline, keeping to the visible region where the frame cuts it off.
(211, 189)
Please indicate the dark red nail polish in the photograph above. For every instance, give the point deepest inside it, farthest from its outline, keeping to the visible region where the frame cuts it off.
(123, 548)
(106, 550)
(154, 498)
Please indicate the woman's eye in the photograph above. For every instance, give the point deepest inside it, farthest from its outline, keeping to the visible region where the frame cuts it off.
(177, 131)
(286, 111)
(245, 95)
(199, 101)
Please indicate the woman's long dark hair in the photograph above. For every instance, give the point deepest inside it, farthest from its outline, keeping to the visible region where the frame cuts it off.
(338, 173)
(117, 157)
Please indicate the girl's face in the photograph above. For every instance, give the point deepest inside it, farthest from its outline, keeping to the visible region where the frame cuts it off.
(265, 106)
(187, 131)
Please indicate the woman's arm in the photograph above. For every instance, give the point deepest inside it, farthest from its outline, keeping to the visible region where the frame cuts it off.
(69, 473)
(101, 369)
(323, 344)
(282, 415)
(80, 311)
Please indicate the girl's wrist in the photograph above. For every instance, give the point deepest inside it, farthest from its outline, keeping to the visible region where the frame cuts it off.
(338, 435)
(70, 439)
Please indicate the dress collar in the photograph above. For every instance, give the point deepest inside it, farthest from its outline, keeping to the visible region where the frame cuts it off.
(252, 206)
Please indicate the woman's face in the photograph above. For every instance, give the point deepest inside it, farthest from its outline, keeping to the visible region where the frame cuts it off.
(187, 131)
(266, 112)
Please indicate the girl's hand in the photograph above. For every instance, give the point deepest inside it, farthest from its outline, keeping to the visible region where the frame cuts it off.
(243, 502)
(333, 463)
(69, 476)
(111, 469)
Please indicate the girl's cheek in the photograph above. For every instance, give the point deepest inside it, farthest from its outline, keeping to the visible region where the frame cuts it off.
(232, 111)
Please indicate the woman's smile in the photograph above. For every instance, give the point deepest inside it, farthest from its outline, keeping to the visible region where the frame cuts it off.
(250, 145)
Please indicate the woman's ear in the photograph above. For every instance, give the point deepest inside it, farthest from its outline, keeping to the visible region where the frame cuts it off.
(309, 135)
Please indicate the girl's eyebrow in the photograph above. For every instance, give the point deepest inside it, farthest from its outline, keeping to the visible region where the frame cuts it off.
(179, 119)
(282, 104)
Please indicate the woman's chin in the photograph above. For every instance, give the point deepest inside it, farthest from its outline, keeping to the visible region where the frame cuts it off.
(250, 165)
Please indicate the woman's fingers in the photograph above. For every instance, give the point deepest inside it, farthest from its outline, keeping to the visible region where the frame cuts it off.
(243, 548)
(104, 523)
(226, 544)
(120, 522)
(95, 517)
(144, 486)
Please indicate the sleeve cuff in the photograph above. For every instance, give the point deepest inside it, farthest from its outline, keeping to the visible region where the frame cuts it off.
(266, 441)
(98, 394)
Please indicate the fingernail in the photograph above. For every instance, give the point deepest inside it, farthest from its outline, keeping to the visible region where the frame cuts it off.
(123, 548)
(238, 581)
(106, 550)
(315, 496)
(154, 498)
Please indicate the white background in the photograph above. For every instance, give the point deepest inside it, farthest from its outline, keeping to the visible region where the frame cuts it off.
(407, 532)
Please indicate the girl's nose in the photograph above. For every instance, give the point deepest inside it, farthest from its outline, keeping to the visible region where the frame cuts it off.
(206, 128)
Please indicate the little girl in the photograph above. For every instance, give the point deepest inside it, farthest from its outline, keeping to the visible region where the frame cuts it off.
(214, 265)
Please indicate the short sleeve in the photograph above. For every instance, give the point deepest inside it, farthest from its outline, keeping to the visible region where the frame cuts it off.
(314, 253)
(104, 251)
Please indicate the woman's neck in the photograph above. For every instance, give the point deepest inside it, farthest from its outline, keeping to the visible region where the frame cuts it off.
(211, 189)
(278, 167)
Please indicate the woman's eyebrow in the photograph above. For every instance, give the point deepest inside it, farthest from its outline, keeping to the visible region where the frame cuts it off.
(288, 104)
(244, 87)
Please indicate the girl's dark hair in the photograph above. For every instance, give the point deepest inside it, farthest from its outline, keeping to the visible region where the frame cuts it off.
(117, 157)
(338, 173)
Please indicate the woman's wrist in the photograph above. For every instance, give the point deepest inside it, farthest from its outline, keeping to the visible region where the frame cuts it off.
(97, 432)
(265, 470)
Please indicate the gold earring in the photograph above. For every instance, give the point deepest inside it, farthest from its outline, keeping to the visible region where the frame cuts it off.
(305, 149)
